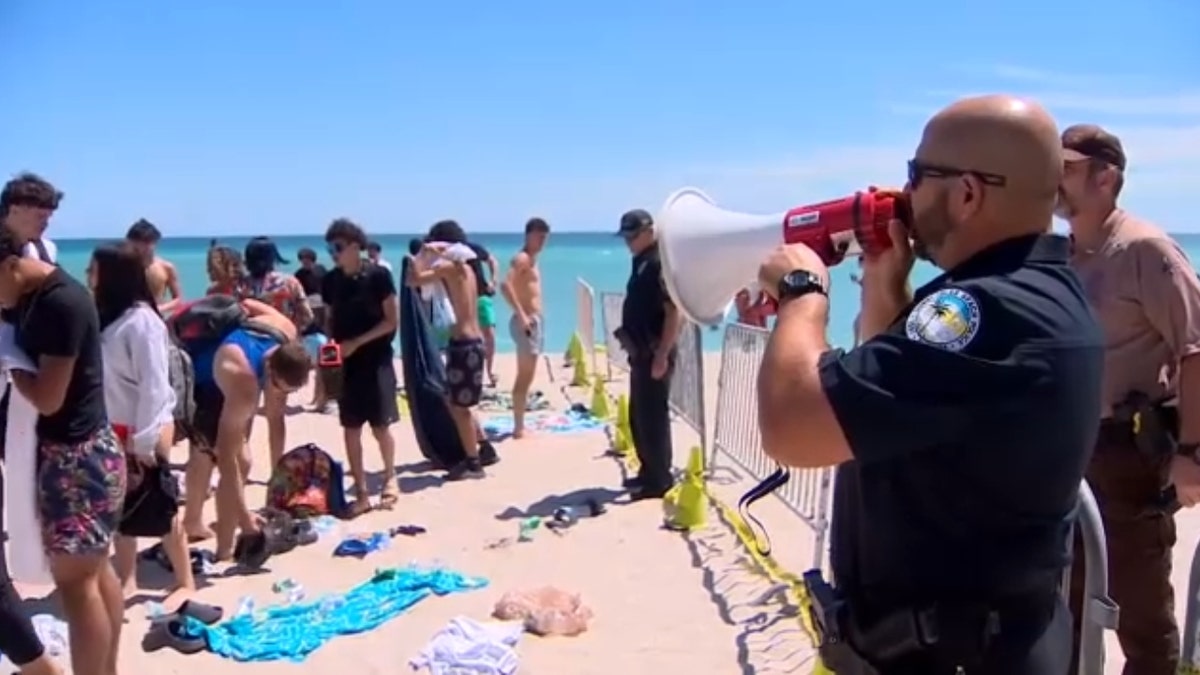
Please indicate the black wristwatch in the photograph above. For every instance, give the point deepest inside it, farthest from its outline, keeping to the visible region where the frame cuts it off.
(798, 283)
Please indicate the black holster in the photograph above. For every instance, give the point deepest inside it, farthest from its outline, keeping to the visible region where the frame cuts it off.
(959, 634)
(1155, 428)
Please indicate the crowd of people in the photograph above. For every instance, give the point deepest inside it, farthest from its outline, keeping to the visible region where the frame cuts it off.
(98, 360)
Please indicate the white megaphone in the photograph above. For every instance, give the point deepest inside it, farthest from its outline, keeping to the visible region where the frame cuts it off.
(709, 254)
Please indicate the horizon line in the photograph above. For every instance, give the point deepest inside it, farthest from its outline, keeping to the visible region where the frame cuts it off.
(318, 235)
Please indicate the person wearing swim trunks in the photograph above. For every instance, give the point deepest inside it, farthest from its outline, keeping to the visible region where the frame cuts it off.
(230, 377)
(364, 314)
(55, 363)
(485, 282)
(523, 290)
(447, 262)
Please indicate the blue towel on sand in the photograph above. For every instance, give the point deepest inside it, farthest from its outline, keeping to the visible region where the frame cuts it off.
(558, 423)
(294, 631)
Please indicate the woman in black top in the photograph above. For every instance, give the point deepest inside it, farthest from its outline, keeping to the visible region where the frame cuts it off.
(81, 469)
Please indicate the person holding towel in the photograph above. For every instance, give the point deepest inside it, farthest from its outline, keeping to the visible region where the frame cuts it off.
(26, 204)
(55, 364)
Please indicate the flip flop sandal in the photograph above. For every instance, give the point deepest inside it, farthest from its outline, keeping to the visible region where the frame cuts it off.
(204, 613)
(172, 634)
(253, 550)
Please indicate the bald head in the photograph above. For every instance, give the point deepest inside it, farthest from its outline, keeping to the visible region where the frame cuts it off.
(988, 168)
(1003, 135)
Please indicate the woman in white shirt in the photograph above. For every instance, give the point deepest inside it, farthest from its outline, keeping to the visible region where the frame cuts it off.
(140, 403)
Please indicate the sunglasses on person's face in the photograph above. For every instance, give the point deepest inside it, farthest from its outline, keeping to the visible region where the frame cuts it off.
(336, 248)
(918, 171)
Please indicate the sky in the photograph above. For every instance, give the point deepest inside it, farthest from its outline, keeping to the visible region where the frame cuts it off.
(269, 116)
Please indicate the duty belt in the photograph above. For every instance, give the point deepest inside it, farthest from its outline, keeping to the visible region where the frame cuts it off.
(958, 633)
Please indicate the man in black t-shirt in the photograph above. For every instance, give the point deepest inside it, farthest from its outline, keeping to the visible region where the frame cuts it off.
(53, 357)
(363, 316)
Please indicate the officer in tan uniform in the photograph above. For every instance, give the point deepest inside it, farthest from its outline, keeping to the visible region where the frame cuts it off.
(1147, 297)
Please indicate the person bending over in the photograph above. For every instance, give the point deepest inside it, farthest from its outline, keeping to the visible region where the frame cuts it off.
(160, 272)
(465, 353)
(360, 298)
(59, 373)
(141, 406)
(284, 293)
(523, 290)
(230, 377)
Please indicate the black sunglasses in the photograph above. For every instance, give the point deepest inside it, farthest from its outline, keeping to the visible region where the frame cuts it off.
(918, 171)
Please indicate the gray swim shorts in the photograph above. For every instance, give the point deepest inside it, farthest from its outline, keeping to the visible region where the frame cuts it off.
(528, 343)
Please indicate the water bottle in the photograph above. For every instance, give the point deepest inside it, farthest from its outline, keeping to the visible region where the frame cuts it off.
(245, 606)
(155, 611)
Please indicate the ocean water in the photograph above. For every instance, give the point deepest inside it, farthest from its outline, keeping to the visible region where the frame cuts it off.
(599, 258)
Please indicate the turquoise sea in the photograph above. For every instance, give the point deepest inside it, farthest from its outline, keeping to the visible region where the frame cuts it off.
(599, 258)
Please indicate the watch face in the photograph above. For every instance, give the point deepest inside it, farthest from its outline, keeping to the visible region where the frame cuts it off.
(800, 282)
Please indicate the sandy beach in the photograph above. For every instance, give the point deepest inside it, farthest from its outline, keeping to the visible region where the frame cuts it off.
(663, 601)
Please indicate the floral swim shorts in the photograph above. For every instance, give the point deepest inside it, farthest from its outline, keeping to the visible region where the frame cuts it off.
(81, 490)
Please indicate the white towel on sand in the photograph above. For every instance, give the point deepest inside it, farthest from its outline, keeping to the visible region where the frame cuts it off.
(468, 647)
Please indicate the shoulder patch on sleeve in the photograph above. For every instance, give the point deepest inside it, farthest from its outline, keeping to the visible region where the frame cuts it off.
(947, 319)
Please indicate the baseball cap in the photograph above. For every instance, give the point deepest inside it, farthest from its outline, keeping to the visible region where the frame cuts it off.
(262, 248)
(635, 221)
(1089, 141)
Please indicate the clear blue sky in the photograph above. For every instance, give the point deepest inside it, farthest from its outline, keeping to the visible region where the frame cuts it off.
(222, 117)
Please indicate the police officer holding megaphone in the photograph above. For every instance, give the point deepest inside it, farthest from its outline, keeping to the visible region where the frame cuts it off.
(960, 425)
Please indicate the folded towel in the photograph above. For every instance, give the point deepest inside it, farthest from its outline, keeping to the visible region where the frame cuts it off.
(26, 563)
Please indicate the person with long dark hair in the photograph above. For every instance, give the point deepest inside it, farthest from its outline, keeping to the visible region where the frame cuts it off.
(140, 403)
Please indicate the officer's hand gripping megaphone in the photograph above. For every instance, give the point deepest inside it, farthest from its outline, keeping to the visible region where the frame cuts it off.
(709, 254)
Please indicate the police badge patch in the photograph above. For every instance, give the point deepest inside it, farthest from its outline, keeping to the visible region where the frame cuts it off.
(948, 319)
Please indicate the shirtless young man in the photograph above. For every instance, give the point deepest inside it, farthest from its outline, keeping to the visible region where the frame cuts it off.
(523, 290)
(230, 376)
(449, 263)
(160, 273)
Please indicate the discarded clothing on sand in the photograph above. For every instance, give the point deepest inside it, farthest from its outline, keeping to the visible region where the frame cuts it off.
(545, 611)
(557, 423)
(469, 647)
(294, 631)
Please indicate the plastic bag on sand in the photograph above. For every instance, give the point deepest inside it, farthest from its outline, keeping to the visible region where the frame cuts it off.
(545, 611)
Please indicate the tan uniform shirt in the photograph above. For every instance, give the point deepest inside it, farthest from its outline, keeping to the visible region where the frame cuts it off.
(1147, 297)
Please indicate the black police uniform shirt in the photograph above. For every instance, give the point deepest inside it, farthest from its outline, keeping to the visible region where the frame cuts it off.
(357, 304)
(643, 314)
(59, 319)
(971, 420)
(311, 280)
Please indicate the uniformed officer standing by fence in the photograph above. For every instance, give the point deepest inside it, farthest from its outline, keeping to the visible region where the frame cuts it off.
(961, 425)
(1147, 297)
(650, 326)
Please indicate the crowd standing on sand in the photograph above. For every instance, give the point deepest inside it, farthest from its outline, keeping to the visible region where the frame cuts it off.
(120, 368)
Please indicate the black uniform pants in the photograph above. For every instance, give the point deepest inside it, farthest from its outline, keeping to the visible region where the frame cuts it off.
(650, 424)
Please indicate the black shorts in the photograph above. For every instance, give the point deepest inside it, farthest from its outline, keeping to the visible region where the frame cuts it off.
(209, 402)
(369, 394)
(151, 500)
(465, 359)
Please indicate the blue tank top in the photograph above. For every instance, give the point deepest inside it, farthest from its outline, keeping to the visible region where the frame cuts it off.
(254, 345)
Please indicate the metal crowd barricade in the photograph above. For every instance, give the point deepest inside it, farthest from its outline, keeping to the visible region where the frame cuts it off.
(585, 319)
(737, 437)
(610, 313)
(687, 383)
(1099, 611)
(1191, 619)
